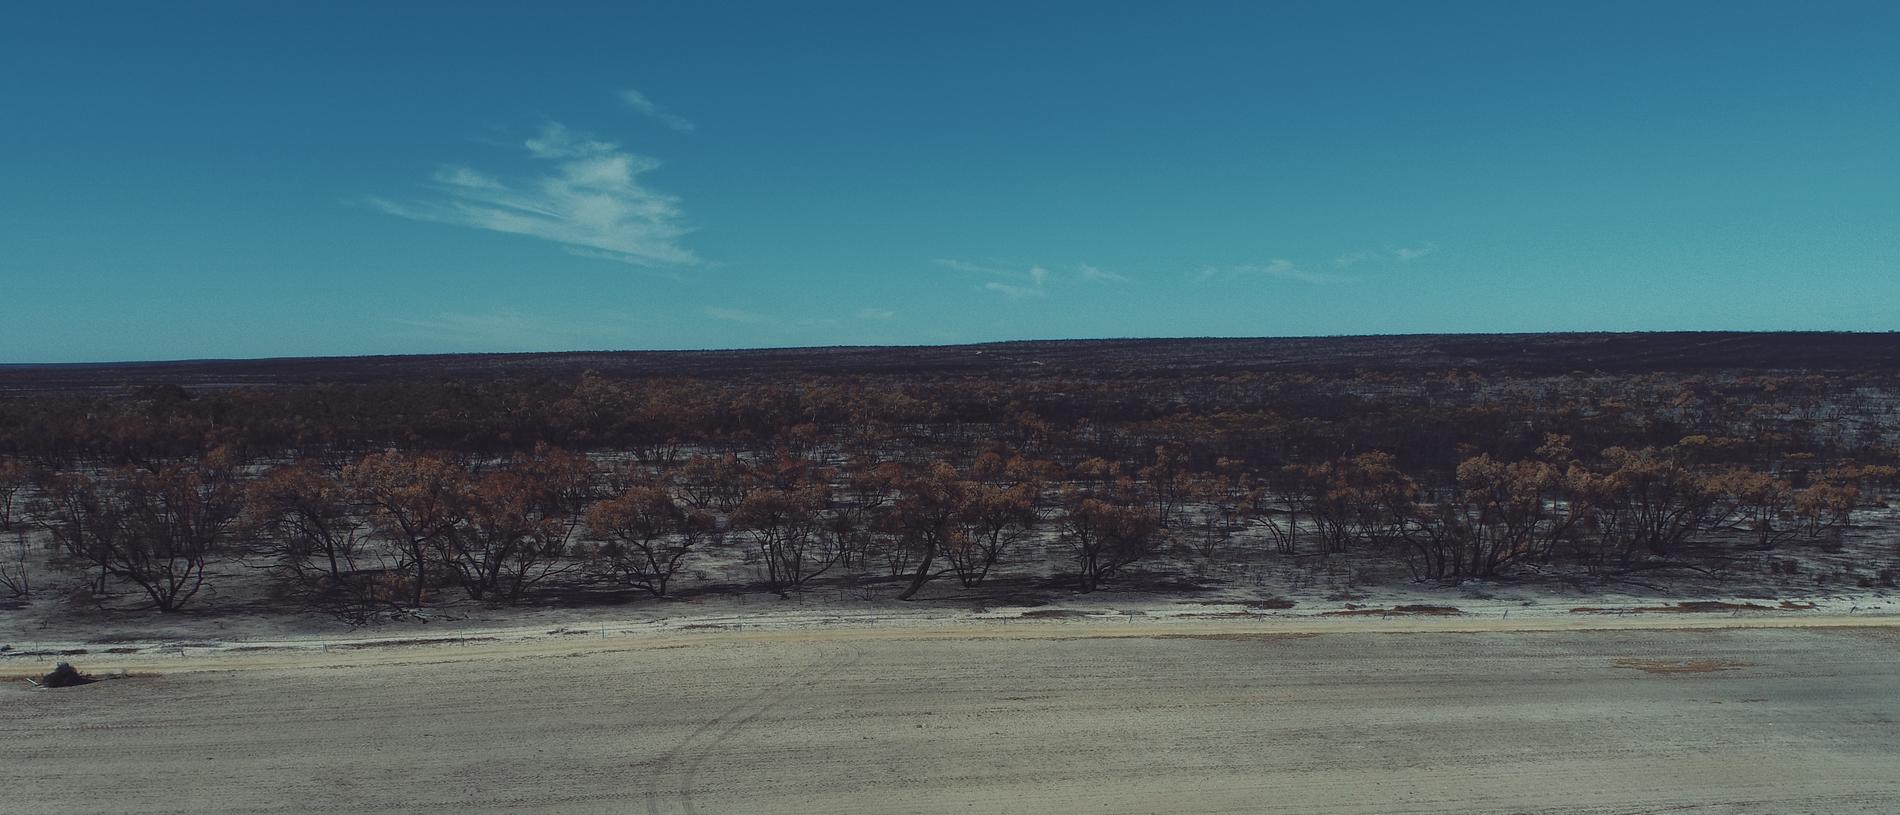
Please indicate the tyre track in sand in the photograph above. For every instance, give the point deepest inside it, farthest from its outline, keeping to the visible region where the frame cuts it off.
(693, 751)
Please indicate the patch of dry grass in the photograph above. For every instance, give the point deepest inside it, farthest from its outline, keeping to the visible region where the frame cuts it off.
(357, 646)
(1680, 666)
(1053, 614)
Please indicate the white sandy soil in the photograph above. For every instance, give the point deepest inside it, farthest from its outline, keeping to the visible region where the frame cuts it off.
(1209, 710)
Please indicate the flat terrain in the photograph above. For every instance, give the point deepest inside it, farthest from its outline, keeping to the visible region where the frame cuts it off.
(1532, 354)
(1053, 716)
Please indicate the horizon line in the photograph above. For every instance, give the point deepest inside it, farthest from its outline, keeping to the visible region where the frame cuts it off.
(918, 346)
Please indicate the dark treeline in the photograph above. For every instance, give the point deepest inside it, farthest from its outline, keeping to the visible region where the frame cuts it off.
(368, 498)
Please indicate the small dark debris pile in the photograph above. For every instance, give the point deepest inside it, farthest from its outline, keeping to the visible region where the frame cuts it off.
(64, 675)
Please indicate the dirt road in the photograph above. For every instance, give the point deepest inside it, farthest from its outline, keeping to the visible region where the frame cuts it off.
(1057, 718)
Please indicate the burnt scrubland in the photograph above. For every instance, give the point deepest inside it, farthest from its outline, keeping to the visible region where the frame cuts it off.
(377, 487)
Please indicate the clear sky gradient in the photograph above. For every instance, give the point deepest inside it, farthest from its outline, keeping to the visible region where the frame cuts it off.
(184, 180)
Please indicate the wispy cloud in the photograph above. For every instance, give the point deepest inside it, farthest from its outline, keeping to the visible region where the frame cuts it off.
(1019, 283)
(555, 141)
(590, 201)
(1403, 254)
(617, 257)
(1279, 268)
(972, 268)
(1013, 291)
(736, 315)
(466, 178)
(509, 330)
(792, 325)
(1351, 259)
(639, 102)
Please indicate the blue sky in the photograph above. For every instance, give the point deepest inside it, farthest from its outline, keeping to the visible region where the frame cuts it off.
(262, 179)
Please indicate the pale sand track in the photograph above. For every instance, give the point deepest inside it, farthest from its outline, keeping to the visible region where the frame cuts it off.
(1454, 716)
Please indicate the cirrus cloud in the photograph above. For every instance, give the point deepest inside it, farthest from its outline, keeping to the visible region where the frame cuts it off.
(1278, 268)
(589, 199)
(1024, 283)
(640, 103)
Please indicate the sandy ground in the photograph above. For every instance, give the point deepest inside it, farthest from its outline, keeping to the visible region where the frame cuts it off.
(1634, 713)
